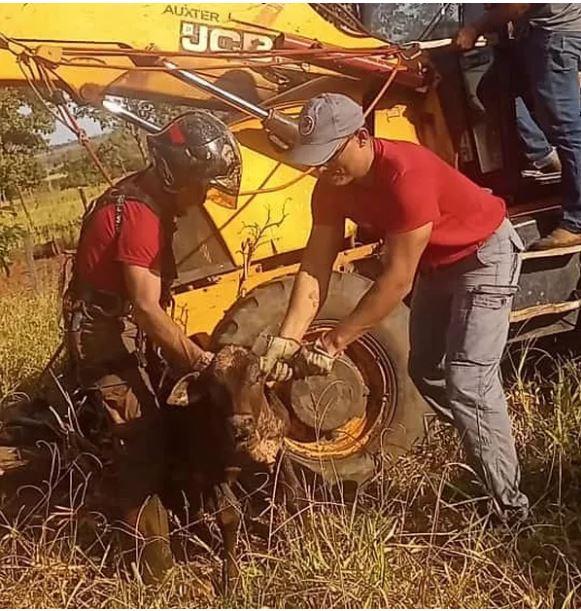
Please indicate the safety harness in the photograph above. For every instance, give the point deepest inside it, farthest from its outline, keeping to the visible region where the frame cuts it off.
(82, 301)
(112, 304)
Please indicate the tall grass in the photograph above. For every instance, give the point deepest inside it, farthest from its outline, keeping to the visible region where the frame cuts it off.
(29, 334)
(411, 538)
(55, 207)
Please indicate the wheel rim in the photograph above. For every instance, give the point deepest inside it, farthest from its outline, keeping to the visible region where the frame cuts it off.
(376, 369)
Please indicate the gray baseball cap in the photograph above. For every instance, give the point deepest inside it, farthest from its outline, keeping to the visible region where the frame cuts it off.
(325, 123)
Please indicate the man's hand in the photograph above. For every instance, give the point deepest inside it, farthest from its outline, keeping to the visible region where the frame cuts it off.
(401, 260)
(495, 17)
(313, 360)
(279, 351)
(466, 38)
(205, 360)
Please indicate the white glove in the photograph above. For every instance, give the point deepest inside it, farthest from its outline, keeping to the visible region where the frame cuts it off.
(313, 360)
(279, 351)
(205, 360)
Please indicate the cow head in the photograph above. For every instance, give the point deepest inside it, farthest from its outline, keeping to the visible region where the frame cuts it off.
(234, 388)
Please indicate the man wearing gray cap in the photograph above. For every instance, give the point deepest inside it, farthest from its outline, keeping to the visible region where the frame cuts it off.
(443, 230)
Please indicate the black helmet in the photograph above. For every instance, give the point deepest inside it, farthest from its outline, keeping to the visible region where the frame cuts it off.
(194, 148)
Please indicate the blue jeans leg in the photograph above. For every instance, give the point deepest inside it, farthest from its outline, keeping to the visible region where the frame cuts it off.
(553, 60)
(535, 143)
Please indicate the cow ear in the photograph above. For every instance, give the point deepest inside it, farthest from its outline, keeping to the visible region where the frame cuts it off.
(183, 393)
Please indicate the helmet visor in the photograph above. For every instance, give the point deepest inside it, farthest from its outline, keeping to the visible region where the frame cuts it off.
(223, 189)
(222, 198)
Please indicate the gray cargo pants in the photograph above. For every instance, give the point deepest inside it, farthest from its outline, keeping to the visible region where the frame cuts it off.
(458, 331)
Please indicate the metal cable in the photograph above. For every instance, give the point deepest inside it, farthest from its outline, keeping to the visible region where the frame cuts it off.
(68, 120)
(64, 117)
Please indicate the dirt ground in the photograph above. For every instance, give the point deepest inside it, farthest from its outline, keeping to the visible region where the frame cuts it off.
(20, 278)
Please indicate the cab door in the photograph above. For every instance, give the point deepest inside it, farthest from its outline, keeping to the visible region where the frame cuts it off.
(476, 89)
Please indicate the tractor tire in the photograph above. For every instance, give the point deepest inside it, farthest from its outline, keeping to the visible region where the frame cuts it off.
(394, 412)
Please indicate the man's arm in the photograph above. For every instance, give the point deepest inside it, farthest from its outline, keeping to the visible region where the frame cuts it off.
(493, 19)
(144, 292)
(401, 261)
(312, 281)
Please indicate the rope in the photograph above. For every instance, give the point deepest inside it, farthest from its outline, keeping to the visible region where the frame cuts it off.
(308, 172)
(93, 52)
(257, 65)
(66, 118)
(63, 114)
(86, 142)
(280, 187)
(382, 91)
(292, 56)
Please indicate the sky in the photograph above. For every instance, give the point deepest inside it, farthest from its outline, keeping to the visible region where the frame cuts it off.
(62, 134)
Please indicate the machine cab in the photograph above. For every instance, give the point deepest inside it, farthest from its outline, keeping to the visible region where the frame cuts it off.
(481, 91)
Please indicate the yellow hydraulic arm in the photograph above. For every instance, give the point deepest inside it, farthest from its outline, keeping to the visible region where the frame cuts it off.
(257, 50)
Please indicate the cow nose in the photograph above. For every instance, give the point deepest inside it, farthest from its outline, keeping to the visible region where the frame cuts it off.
(243, 427)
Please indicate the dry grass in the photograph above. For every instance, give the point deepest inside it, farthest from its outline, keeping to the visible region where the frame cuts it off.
(412, 538)
(29, 332)
(55, 208)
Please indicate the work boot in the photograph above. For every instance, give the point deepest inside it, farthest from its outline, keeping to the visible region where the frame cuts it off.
(511, 521)
(558, 238)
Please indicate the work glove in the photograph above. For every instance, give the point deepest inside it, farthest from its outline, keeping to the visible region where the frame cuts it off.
(205, 360)
(466, 37)
(275, 361)
(313, 360)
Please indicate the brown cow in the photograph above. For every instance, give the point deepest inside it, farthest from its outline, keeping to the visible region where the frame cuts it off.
(220, 428)
(223, 425)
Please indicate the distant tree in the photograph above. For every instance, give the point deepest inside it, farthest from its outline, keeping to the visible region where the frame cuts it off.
(24, 125)
(117, 154)
(158, 113)
(122, 148)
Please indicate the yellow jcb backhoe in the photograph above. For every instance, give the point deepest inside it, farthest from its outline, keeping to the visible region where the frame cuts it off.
(261, 62)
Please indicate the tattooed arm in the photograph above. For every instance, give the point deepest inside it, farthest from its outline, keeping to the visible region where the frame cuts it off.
(312, 281)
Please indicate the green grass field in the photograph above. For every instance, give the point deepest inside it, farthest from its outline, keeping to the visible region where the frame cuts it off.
(411, 539)
(51, 215)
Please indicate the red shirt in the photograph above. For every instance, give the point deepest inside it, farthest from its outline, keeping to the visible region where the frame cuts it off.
(410, 186)
(140, 242)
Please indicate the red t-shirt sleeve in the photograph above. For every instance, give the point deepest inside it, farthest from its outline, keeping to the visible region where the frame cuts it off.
(141, 236)
(325, 207)
(413, 202)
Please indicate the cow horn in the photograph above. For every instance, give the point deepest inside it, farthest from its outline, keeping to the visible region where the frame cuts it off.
(183, 393)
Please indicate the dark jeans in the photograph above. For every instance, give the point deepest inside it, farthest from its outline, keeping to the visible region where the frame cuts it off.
(104, 352)
(535, 143)
(552, 61)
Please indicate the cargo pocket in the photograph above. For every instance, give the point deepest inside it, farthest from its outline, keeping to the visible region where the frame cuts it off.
(558, 58)
(494, 250)
(492, 297)
(480, 329)
(516, 240)
(501, 244)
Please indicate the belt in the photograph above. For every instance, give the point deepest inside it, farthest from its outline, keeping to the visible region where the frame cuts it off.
(109, 303)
